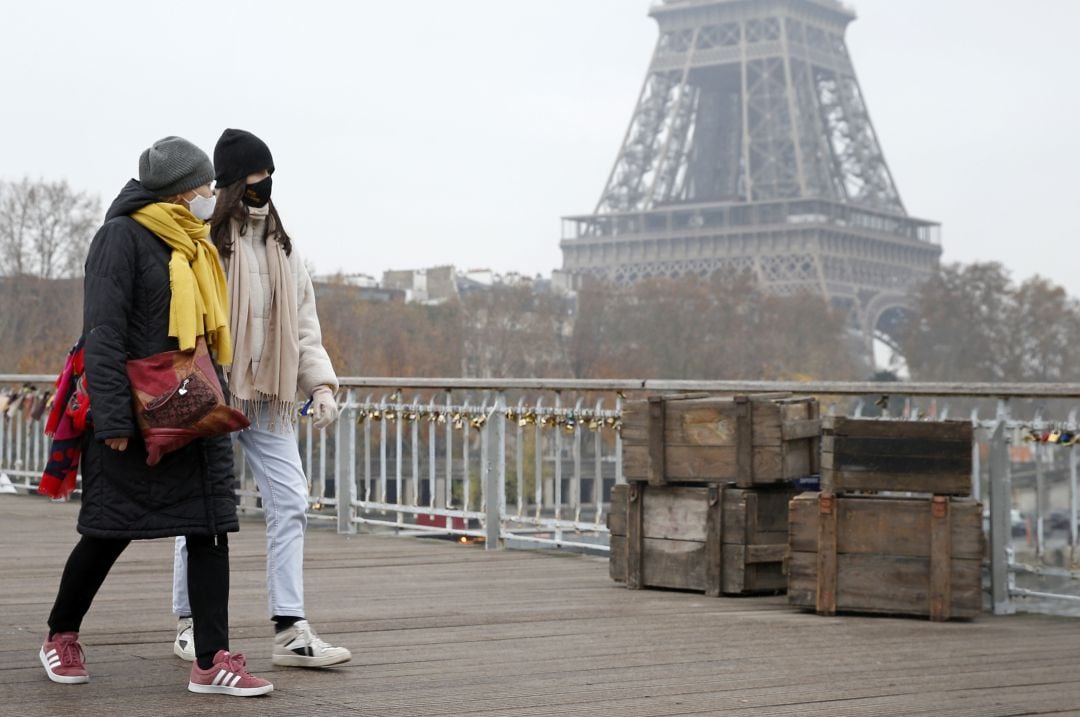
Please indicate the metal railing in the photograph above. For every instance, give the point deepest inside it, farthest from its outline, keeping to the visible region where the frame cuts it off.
(532, 462)
(496, 465)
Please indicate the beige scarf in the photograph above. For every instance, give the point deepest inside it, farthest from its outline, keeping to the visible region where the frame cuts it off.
(275, 382)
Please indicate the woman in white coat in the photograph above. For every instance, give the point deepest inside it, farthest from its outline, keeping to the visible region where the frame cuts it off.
(278, 361)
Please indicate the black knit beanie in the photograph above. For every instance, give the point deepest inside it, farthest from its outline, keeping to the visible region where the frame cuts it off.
(239, 153)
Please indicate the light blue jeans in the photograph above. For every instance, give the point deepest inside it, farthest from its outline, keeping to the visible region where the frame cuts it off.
(275, 460)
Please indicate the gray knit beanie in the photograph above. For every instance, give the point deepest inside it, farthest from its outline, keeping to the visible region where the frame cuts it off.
(173, 166)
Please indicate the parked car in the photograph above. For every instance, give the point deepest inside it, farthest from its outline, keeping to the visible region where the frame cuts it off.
(1058, 520)
(1017, 523)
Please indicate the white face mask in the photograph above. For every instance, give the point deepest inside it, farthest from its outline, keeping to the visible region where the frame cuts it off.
(203, 207)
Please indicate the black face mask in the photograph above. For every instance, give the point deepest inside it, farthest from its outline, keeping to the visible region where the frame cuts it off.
(258, 194)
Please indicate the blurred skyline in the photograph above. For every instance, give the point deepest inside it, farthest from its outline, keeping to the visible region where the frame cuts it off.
(411, 134)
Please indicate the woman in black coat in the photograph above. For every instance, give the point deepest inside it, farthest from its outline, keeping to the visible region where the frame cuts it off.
(128, 304)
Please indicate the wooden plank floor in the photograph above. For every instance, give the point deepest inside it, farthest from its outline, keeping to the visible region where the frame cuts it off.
(442, 629)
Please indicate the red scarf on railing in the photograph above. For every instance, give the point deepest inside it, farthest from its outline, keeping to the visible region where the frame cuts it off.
(66, 425)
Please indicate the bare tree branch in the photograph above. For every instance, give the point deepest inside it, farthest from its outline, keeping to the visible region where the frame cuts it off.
(45, 228)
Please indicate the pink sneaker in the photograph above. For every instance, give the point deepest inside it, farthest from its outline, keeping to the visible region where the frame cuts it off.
(63, 658)
(227, 676)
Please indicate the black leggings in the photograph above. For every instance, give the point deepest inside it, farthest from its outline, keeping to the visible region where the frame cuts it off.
(208, 586)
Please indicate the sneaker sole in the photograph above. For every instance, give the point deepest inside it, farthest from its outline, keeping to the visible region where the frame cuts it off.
(185, 656)
(230, 691)
(301, 661)
(61, 679)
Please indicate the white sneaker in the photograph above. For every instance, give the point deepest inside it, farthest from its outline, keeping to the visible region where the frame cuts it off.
(184, 645)
(299, 646)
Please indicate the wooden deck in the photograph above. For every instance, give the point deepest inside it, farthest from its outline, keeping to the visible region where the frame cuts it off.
(442, 629)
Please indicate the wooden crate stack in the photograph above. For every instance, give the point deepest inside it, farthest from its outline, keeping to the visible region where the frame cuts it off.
(853, 549)
(709, 481)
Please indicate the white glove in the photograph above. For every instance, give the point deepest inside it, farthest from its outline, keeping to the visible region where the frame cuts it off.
(324, 409)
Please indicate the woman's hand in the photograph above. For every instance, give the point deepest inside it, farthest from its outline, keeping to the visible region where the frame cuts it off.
(117, 444)
(324, 409)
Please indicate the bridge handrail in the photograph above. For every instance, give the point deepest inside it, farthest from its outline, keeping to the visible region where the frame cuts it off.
(828, 388)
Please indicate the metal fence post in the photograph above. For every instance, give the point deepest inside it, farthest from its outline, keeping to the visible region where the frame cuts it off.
(1040, 503)
(495, 474)
(1071, 454)
(3, 444)
(1000, 491)
(345, 480)
(618, 441)
(976, 459)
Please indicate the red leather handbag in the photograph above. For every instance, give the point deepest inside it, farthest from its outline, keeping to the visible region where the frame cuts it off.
(178, 399)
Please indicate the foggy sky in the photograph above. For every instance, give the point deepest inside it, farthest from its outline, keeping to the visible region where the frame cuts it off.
(413, 133)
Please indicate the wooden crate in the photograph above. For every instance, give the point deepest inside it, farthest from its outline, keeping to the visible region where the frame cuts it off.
(883, 455)
(714, 539)
(748, 440)
(897, 556)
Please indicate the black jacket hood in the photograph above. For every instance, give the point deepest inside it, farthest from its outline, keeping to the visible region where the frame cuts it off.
(131, 198)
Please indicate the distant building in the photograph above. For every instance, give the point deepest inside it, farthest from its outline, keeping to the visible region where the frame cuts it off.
(436, 285)
(361, 286)
(751, 150)
(440, 284)
(362, 280)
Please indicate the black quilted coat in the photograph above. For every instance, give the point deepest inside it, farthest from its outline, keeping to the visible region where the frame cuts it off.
(126, 316)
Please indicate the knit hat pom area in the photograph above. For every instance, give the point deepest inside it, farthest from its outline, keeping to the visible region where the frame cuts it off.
(239, 153)
(173, 166)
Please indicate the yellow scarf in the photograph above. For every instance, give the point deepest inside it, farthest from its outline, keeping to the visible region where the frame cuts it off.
(200, 303)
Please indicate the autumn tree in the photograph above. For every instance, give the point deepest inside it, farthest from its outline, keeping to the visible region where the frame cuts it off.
(515, 331)
(45, 228)
(409, 340)
(598, 348)
(972, 323)
(40, 320)
(388, 338)
(723, 327)
(802, 337)
(1045, 330)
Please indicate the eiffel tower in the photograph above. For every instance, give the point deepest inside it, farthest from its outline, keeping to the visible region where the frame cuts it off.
(751, 148)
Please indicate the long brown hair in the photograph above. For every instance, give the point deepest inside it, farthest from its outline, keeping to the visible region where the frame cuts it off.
(231, 208)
